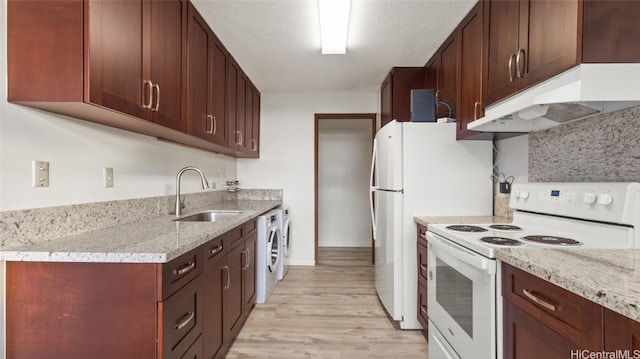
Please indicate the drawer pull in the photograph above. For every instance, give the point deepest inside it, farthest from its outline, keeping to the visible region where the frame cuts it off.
(185, 268)
(423, 267)
(186, 319)
(539, 301)
(216, 250)
(422, 235)
(423, 309)
(247, 262)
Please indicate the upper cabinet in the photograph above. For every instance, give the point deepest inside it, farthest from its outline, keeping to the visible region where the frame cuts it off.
(153, 67)
(206, 82)
(528, 41)
(470, 92)
(396, 93)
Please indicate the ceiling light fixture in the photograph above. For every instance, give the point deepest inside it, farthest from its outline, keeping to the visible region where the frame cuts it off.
(334, 25)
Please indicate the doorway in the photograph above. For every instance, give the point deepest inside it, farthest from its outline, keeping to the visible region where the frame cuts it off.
(343, 145)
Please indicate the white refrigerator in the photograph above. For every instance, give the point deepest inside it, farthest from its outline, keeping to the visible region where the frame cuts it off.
(419, 169)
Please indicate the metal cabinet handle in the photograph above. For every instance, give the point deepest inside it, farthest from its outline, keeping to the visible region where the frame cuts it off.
(247, 259)
(475, 110)
(157, 87)
(185, 268)
(511, 58)
(209, 126)
(185, 320)
(519, 73)
(423, 267)
(237, 138)
(254, 145)
(145, 83)
(226, 268)
(216, 250)
(215, 125)
(539, 301)
(241, 138)
(423, 309)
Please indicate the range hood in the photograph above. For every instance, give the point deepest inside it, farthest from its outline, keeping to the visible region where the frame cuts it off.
(583, 91)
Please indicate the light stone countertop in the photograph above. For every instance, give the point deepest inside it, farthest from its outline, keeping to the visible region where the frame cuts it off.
(156, 240)
(609, 277)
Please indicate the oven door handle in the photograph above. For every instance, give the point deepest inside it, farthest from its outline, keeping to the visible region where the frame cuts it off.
(462, 254)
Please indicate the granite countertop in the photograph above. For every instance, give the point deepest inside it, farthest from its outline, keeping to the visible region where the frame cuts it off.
(425, 220)
(156, 240)
(609, 277)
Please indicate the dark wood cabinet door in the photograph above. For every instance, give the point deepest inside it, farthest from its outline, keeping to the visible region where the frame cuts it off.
(232, 300)
(214, 278)
(448, 77)
(241, 111)
(470, 89)
(386, 102)
(621, 333)
(502, 18)
(255, 128)
(218, 92)
(249, 274)
(527, 338)
(198, 121)
(232, 108)
(165, 61)
(114, 56)
(548, 40)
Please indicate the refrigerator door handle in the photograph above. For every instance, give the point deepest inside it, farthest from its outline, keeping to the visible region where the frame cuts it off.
(372, 188)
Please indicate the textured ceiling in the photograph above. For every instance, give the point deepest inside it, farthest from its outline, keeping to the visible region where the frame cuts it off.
(277, 42)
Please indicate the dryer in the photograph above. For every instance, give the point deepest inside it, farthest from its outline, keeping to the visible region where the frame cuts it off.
(285, 228)
(268, 255)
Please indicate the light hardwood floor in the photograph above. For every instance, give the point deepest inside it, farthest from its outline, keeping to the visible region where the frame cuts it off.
(327, 311)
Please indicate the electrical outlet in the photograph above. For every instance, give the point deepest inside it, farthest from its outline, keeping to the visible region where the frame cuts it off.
(40, 173)
(107, 173)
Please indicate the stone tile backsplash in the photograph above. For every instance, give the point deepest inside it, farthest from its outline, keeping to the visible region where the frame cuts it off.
(600, 149)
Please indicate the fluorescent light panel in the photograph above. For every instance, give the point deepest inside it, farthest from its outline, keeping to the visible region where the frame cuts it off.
(334, 25)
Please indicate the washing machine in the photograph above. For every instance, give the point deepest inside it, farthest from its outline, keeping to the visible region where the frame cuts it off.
(268, 255)
(285, 228)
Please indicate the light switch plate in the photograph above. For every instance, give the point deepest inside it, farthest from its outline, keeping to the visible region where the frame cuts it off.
(40, 173)
(107, 173)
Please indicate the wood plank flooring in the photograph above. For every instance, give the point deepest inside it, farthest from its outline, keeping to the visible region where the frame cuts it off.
(327, 311)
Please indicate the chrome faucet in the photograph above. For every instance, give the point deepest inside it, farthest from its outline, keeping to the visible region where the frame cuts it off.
(205, 185)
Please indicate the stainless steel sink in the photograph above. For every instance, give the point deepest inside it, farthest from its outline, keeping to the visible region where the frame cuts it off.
(209, 216)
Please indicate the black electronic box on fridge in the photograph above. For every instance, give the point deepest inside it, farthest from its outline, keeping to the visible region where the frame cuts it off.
(423, 105)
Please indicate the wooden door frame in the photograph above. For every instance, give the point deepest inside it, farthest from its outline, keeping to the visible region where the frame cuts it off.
(333, 116)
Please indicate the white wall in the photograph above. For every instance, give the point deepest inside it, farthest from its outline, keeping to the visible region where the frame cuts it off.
(511, 157)
(287, 154)
(78, 150)
(344, 161)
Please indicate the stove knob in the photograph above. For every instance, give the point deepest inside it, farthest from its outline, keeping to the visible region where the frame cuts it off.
(589, 198)
(605, 199)
(523, 194)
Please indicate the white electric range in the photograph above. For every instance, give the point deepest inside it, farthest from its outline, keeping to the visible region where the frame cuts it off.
(462, 285)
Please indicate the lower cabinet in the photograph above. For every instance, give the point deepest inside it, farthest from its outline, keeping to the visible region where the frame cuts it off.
(542, 320)
(422, 280)
(192, 307)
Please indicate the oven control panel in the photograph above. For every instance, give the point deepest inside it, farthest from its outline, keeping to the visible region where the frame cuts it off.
(608, 202)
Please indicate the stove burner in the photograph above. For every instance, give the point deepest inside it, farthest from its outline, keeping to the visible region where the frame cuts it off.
(553, 240)
(502, 241)
(466, 228)
(505, 227)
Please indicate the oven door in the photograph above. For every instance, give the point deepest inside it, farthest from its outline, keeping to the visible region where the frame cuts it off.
(461, 300)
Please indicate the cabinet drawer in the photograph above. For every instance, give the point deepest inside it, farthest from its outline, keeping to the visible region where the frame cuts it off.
(180, 271)
(180, 320)
(195, 352)
(249, 227)
(422, 264)
(422, 305)
(233, 237)
(575, 317)
(214, 249)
